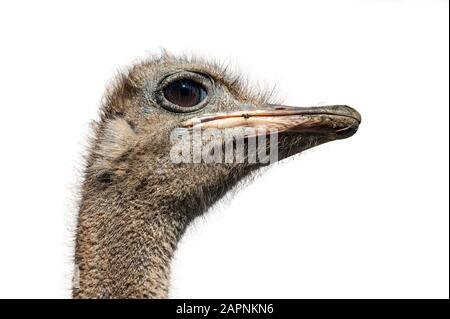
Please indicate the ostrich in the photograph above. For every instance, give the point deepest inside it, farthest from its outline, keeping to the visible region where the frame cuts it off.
(136, 202)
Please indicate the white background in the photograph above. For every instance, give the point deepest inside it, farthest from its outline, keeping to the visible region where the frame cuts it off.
(363, 217)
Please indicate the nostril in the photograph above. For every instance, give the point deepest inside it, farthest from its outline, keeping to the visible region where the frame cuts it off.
(275, 107)
(280, 107)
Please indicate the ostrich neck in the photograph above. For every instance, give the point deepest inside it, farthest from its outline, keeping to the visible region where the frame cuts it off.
(124, 246)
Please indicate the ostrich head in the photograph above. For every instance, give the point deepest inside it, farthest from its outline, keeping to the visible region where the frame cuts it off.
(140, 113)
(136, 200)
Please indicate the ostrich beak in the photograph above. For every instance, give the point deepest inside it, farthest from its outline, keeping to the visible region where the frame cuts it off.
(336, 121)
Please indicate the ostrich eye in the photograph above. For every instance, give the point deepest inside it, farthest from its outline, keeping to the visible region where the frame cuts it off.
(185, 93)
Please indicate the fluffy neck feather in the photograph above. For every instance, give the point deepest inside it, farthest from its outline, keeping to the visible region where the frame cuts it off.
(124, 247)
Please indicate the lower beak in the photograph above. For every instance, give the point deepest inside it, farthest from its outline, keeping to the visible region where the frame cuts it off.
(337, 120)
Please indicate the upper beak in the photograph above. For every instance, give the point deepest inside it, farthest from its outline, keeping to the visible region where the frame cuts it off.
(339, 121)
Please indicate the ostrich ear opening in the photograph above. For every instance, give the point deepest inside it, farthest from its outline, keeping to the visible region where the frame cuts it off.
(115, 140)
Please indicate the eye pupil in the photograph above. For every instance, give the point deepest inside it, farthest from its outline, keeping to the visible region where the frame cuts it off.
(185, 93)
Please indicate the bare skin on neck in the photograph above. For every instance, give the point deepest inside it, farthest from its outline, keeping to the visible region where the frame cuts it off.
(135, 202)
